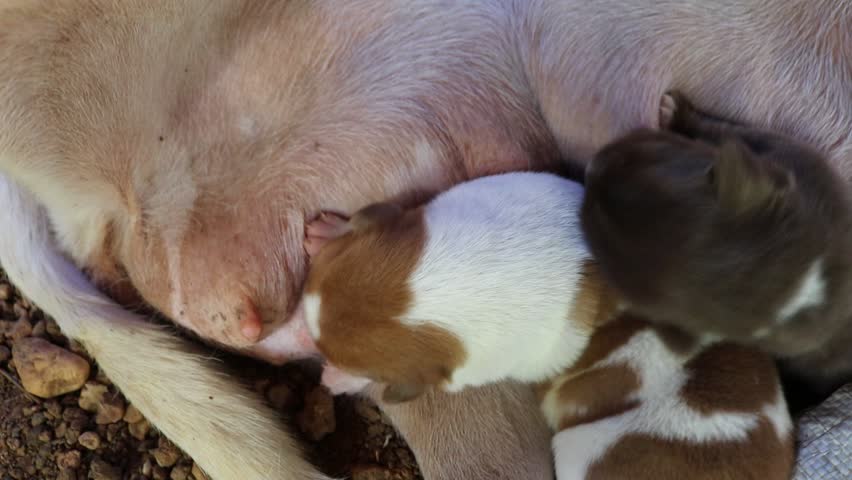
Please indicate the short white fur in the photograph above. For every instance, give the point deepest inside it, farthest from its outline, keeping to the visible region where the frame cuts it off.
(500, 270)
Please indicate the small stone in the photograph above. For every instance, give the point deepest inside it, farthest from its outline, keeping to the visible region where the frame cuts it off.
(96, 397)
(147, 467)
(280, 396)
(139, 430)
(317, 419)
(112, 430)
(21, 329)
(20, 310)
(371, 472)
(5, 292)
(53, 409)
(166, 454)
(38, 419)
(47, 370)
(68, 460)
(132, 415)
(45, 436)
(90, 440)
(5, 353)
(198, 473)
(159, 473)
(53, 328)
(39, 329)
(67, 475)
(180, 472)
(101, 470)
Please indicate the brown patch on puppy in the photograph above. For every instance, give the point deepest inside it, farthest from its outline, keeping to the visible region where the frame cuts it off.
(641, 457)
(360, 330)
(596, 394)
(731, 378)
(595, 303)
(609, 337)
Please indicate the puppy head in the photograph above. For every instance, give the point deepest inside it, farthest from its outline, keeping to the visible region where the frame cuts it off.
(356, 296)
(717, 234)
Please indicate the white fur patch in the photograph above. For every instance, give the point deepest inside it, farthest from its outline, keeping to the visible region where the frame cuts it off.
(312, 303)
(811, 293)
(501, 270)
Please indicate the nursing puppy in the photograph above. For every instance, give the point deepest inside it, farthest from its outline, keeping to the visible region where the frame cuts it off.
(435, 297)
(729, 231)
(491, 281)
(178, 146)
(649, 403)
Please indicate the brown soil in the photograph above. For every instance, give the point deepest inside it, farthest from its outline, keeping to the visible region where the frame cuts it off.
(56, 439)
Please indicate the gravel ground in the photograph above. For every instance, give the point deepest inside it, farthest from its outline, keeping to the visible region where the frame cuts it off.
(90, 432)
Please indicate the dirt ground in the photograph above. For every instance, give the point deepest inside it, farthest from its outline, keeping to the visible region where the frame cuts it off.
(92, 433)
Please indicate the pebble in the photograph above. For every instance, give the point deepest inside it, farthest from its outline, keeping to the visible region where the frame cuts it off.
(5, 353)
(96, 398)
(53, 328)
(180, 472)
(21, 329)
(159, 473)
(198, 473)
(68, 460)
(47, 370)
(5, 291)
(101, 470)
(147, 467)
(317, 419)
(39, 329)
(38, 419)
(132, 415)
(166, 454)
(21, 311)
(139, 430)
(90, 440)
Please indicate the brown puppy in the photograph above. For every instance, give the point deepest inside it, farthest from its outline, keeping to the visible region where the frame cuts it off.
(729, 231)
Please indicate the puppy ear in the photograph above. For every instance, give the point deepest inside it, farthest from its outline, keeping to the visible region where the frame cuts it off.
(375, 214)
(745, 183)
(403, 392)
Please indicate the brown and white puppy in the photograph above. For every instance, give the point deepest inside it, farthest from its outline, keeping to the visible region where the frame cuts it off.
(469, 290)
(479, 285)
(646, 402)
(729, 231)
(178, 146)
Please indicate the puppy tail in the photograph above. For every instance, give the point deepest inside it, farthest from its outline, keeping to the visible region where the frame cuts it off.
(228, 430)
